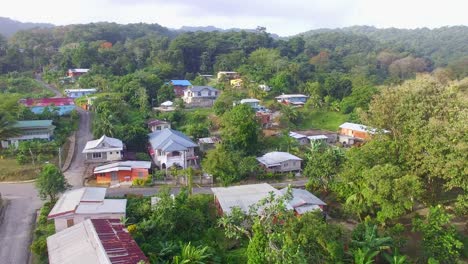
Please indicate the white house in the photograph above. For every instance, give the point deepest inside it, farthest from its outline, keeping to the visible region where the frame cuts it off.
(29, 130)
(280, 162)
(252, 102)
(200, 95)
(75, 93)
(103, 149)
(170, 147)
(94, 241)
(155, 125)
(300, 138)
(77, 205)
(292, 99)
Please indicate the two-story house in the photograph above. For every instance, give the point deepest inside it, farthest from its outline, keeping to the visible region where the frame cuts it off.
(292, 99)
(280, 162)
(155, 125)
(170, 147)
(200, 95)
(76, 72)
(29, 130)
(180, 86)
(103, 149)
(75, 93)
(351, 133)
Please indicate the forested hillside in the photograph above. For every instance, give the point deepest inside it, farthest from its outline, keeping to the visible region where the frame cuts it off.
(9, 27)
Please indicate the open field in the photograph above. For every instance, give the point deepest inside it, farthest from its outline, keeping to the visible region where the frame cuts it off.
(320, 119)
(11, 171)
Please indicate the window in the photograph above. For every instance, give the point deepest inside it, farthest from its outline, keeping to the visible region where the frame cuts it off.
(199, 93)
(209, 93)
(110, 153)
(114, 176)
(116, 152)
(285, 164)
(70, 222)
(97, 155)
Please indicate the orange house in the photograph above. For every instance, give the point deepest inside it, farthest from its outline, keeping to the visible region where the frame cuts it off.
(124, 171)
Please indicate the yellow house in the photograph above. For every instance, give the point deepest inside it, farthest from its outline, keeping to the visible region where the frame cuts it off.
(236, 83)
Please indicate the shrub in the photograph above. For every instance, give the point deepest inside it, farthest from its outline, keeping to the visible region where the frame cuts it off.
(142, 156)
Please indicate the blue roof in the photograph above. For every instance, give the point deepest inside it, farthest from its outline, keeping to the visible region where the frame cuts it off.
(181, 82)
(170, 140)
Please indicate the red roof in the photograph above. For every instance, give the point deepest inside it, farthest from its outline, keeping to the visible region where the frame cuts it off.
(117, 242)
(155, 122)
(47, 101)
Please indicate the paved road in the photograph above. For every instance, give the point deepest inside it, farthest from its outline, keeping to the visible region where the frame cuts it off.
(15, 230)
(49, 87)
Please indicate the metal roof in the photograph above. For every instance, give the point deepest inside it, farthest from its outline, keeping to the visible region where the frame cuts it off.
(95, 145)
(249, 100)
(296, 135)
(208, 140)
(243, 196)
(276, 157)
(170, 140)
(200, 88)
(317, 137)
(80, 90)
(47, 101)
(78, 70)
(360, 128)
(155, 122)
(181, 82)
(107, 206)
(94, 241)
(288, 96)
(123, 165)
(33, 124)
(303, 201)
(70, 200)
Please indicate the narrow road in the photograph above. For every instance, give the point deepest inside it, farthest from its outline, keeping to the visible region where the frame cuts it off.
(49, 87)
(15, 229)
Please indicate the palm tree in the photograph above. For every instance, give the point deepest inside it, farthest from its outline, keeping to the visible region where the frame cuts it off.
(396, 258)
(364, 256)
(192, 255)
(371, 239)
(7, 127)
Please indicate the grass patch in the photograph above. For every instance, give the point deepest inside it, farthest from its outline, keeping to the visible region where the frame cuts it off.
(322, 119)
(11, 171)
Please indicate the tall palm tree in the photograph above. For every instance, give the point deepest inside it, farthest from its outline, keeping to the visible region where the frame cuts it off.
(7, 127)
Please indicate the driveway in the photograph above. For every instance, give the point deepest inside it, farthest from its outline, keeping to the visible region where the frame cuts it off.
(15, 230)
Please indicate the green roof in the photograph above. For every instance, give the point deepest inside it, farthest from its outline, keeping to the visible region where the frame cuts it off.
(33, 123)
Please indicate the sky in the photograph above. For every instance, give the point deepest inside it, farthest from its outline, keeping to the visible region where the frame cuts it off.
(283, 17)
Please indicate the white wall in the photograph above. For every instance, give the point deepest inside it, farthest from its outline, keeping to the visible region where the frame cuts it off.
(61, 223)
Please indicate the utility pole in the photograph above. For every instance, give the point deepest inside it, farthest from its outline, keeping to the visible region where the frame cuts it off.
(60, 158)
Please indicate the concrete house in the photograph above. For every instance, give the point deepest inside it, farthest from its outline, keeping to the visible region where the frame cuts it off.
(124, 171)
(280, 162)
(76, 72)
(292, 99)
(170, 147)
(200, 95)
(155, 125)
(77, 205)
(300, 138)
(103, 149)
(29, 130)
(351, 133)
(75, 93)
(63, 106)
(228, 74)
(94, 241)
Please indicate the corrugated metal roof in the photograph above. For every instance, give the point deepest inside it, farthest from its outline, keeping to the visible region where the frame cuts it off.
(114, 144)
(317, 137)
(79, 70)
(47, 102)
(181, 82)
(200, 88)
(170, 140)
(107, 206)
(289, 96)
(76, 245)
(33, 124)
(276, 157)
(303, 201)
(296, 135)
(243, 196)
(72, 200)
(249, 100)
(123, 165)
(155, 122)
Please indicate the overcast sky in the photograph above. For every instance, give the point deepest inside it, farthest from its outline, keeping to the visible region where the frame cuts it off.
(284, 17)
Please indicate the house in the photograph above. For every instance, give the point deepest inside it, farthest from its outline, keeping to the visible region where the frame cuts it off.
(170, 147)
(63, 106)
(351, 133)
(262, 113)
(292, 99)
(252, 102)
(300, 138)
(95, 241)
(318, 138)
(180, 86)
(303, 201)
(156, 124)
(29, 130)
(76, 72)
(264, 87)
(208, 143)
(200, 95)
(228, 74)
(280, 162)
(242, 196)
(103, 149)
(124, 171)
(264, 118)
(77, 205)
(75, 93)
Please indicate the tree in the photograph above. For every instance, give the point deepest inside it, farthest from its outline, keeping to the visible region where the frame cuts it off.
(193, 255)
(240, 130)
(7, 127)
(439, 236)
(323, 164)
(51, 182)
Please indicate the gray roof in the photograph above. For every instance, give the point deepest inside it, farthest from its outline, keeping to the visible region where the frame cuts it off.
(303, 201)
(170, 140)
(200, 88)
(105, 143)
(275, 158)
(33, 124)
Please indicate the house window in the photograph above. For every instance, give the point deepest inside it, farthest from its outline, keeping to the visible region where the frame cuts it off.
(209, 93)
(110, 153)
(114, 176)
(285, 164)
(97, 155)
(199, 93)
(116, 152)
(70, 222)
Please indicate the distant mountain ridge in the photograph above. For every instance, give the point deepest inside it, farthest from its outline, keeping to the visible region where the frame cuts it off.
(8, 26)
(213, 28)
